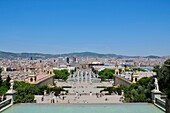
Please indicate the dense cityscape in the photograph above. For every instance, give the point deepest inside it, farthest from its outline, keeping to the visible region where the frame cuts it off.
(20, 69)
(82, 80)
(84, 56)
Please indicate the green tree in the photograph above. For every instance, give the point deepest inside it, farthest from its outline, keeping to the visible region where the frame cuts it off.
(167, 77)
(25, 92)
(106, 74)
(163, 75)
(7, 82)
(3, 90)
(42, 88)
(140, 98)
(1, 81)
(55, 89)
(140, 91)
(3, 87)
(61, 74)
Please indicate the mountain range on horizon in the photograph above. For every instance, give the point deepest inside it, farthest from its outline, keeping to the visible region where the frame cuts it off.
(11, 55)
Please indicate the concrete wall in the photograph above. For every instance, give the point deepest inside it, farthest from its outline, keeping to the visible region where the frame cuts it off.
(49, 81)
(5, 104)
(122, 81)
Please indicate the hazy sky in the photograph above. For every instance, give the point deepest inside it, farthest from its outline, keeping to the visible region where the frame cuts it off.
(127, 27)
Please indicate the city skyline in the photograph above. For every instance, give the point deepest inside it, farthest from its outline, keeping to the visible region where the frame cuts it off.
(134, 28)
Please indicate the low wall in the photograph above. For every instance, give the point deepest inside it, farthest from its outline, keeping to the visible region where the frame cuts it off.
(160, 103)
(47, 81)
(122, 81)
(5, 104)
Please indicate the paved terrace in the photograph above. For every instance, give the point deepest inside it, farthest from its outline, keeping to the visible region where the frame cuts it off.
(84, 88)
(80, 93)
(68, 99)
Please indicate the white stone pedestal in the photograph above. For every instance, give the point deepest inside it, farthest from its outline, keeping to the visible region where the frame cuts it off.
(11, 95)
(156, 94)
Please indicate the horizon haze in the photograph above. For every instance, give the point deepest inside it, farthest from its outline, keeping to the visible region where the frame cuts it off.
(74, 54)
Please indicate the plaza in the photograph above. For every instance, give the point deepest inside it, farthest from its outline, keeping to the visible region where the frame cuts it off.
(82, 92)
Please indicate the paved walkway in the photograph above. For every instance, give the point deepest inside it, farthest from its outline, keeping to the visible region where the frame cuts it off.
(84, 88)
(79, 99)
(81, 93)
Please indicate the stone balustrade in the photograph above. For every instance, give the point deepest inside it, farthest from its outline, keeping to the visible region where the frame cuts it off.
(160, 103)
(5, 104)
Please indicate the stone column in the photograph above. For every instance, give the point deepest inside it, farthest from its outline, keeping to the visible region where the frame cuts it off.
(81, 67)
(87, 67)
(74, 75)
(82, 77)
(78, 73)
(90, 76)
(86, 77)
(45, 92)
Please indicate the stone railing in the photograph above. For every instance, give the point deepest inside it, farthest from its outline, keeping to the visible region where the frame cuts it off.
(10, 95)
(164, 97)
(160, 103)
(5, 104)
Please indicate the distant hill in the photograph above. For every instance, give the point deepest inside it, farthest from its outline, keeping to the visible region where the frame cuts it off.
(152, 56)
(10, 55)
(88, 54)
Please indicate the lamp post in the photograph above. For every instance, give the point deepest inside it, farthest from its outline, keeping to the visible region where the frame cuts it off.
(168, 99)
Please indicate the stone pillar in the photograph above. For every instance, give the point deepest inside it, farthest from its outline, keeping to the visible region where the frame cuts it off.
(86, 77)
(78, 73)
(90, 76)
(45, 92)
(74, 75)
(87, 67)
(155, 94)
(81, 67)
(11, 93)
(82, 77)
